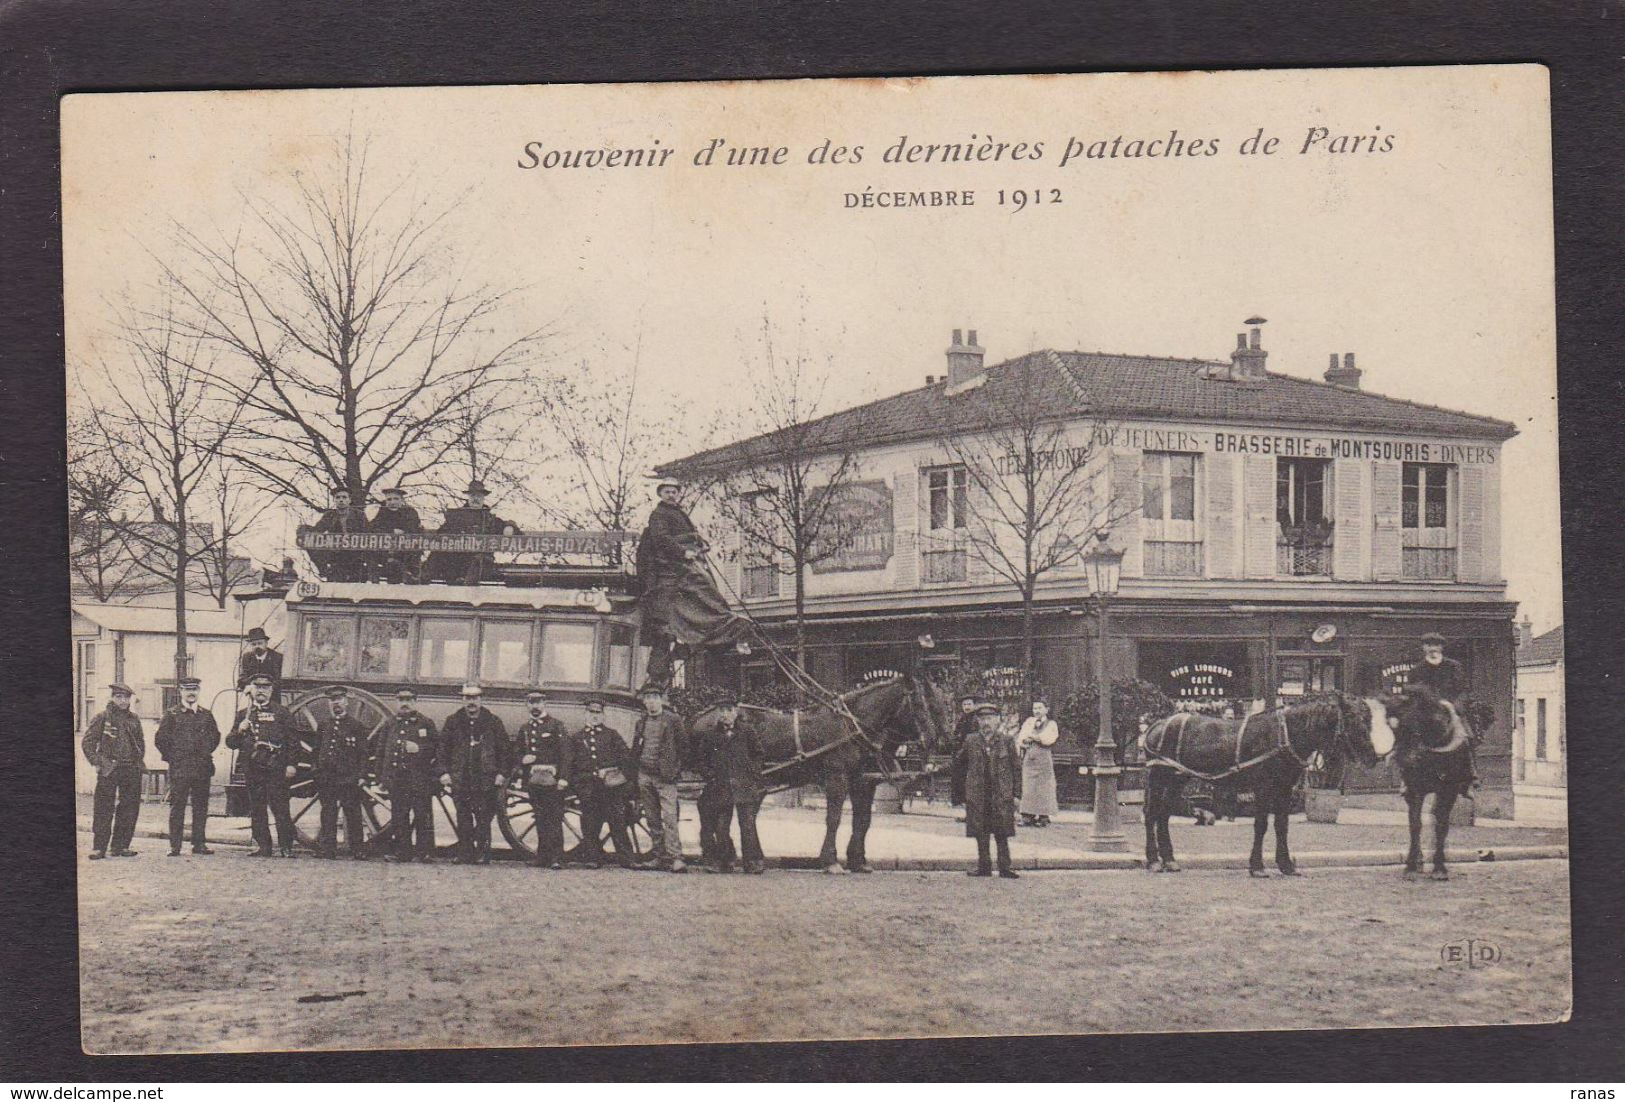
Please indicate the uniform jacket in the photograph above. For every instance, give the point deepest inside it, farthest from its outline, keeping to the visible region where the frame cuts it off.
(404, 519)
(1447, 679)
(666, 537)
(266, 738)
(474, 750)
(658, 745)
(542, 740)
(401, 769)
(187, 741)
(252, 665)
(343, 750)
(114, 738)
(593, 748)
(988, 766)
(730, 760)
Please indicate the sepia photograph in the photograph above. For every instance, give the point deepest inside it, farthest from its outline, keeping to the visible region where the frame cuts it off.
(569, 565)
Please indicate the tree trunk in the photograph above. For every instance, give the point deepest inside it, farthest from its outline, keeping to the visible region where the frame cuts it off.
(801, 615)
(181, 557)
(1027, 621)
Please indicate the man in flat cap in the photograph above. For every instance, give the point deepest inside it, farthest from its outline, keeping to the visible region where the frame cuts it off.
(539, 744)
(474, 766)
(658, 749)
(985, 769)
(260, 659)
(600, 768)
(344, 518)
(730, 759)
(669, 543)
(266, 738)
(475, 518)
(115, 744)
(187, 737)
(396, 517)
(407, 768)
(343, 754)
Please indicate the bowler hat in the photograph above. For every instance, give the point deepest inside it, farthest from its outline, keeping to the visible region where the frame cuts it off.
(477, 487)
(257, 635)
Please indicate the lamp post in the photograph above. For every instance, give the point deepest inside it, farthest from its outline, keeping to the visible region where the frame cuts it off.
(1104, 564)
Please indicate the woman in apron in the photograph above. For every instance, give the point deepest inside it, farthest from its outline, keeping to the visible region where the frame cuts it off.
(1038, 733)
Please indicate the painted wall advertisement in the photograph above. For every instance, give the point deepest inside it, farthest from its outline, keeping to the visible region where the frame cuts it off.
(858, 533)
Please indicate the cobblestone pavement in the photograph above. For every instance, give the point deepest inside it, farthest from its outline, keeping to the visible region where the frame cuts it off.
(228, 953)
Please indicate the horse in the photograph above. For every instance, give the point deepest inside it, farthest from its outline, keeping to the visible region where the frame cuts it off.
(1265, 754)
(819, 745)
(1434, 755)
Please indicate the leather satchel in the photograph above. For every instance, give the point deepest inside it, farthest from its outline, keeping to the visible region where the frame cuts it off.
(544, 776)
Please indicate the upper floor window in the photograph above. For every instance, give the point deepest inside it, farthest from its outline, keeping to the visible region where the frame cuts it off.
(1168, 485)
(945, 498)
(1302, 494)
(761, 580)
(1425, 495)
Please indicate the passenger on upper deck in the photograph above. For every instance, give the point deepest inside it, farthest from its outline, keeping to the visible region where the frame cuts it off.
(474, 518)
(341, 566)
(396, 516)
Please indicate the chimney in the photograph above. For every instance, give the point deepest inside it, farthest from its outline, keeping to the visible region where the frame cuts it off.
(1526, 632)
(1347, 376)
(964, 363)
(930, 380)
(1247, 361)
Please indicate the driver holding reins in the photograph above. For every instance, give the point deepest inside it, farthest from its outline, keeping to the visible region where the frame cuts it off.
(1446, 677)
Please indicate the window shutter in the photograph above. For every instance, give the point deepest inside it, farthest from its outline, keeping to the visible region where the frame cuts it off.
(1385, 554)
(1220, 519)
(1127, 495)
(1470, 552)
(977, 569)
(1258, 503)
(906, 517)
(1490, 567)
(1347, 533)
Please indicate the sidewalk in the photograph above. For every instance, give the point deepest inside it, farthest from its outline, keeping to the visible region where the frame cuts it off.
(929, 837)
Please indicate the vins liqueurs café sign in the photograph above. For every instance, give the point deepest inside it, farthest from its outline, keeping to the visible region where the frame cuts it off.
(857, 534)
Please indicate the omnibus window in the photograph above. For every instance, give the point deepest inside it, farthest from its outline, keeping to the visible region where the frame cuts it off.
(626, 660)
(326, 649)
(567, 652)
(443, 649)
(505, 651)
(384, 647)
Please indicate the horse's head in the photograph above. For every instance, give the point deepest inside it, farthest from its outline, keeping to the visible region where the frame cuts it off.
(897, 710)
(1344, 724)
(1420, 718)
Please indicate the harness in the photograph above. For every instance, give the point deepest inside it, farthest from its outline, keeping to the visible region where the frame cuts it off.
(1283, 745)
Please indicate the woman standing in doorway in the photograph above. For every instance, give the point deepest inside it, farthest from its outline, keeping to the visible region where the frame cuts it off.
(1038, 733)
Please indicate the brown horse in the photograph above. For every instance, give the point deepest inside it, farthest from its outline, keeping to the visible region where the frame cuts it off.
(1434, 755)
(819, 745)
(1264, 754)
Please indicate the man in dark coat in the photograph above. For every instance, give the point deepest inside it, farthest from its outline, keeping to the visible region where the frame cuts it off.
(540, 744)
(988, 766)
(965, 725)
(115, 744)
(187, 737)
(259, 660)
(266, 736)
(395, 516)
(476, 519)
(600, 767)
(730, 758)
(344, 517)
(407, 768)
(658, 747)
(474, 765)
(343, 754)
(1446, 677)
(668, 544)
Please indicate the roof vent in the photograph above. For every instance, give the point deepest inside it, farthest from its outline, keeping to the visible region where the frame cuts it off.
(1247, 361)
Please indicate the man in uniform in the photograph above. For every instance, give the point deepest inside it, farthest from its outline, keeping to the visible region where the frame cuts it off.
(396, 517)
(540, 746)
(474, 518)
(474, 755)
(599, 764)
(344, 518)
(187, 737)
(407, 771)
(115, 744)
(1446, 677)
(986, 769)
(267, 737)
(260, 659)
(668, 544)
(343, 750)
(730, 755)
(657, 747)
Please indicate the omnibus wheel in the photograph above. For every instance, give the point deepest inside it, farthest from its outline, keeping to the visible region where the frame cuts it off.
(303, 801)
(518, 823)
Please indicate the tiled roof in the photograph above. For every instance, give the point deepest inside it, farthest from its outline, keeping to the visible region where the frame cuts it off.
(1100, 384)
(1542, 649)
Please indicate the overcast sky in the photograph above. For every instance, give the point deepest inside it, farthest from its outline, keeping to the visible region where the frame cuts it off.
(1431, 261)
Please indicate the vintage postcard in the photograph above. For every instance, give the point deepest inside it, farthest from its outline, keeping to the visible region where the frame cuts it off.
(577, 565)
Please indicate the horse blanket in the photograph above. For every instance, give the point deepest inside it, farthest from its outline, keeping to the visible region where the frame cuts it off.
(684, 604)
(1213, 749)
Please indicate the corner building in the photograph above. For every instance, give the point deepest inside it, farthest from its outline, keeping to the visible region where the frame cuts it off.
(1291, 536)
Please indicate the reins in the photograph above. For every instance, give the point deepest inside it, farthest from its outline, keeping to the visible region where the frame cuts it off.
(1283, 745)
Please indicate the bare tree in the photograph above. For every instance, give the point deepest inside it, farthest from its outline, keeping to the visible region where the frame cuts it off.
(787, 494)
(98, 493)
(1039, 481)
(346, 333)
(230, 505)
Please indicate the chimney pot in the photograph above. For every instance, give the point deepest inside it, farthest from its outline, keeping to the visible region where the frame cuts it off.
(1348, 361)
(956, 337)
(964, 362)
(1333, 365)
(1255, 337)
(1241, 341)
(1345, 375)
(972, 339)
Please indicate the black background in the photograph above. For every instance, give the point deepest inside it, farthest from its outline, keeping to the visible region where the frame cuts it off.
(116, 45)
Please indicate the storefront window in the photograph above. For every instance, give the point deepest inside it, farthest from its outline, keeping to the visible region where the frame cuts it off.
(327, 643)
(567, 653)
(505, 651)
(384, 647)
(443, 649)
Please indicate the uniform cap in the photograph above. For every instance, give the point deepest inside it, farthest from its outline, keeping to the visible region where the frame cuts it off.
(257, 634)
(986, 710)
(393, 490)
(190, 682)
(406, 694)
(119, 687)
(472, 690)
(336, 692)
(652, 688)
(1433, 637)
(536, 694)
(595, 702)
(731, 700)
(340, 489)
(262, 679)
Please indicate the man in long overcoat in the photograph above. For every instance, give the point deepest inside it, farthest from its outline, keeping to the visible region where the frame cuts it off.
(988, 766)
(115, 744)
(474, 765)
(658, 748)
(187, 737)
(669, 543)
(474, 519)
(407, 769)
(540, 744)
(266, 736)
(343, 753)
(730, 758)
(597, 756)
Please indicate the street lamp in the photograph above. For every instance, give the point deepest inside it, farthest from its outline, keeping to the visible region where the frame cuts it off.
(1104, 565)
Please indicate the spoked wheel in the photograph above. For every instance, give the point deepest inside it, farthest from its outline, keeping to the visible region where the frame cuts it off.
(311, 710)
(518, 823)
